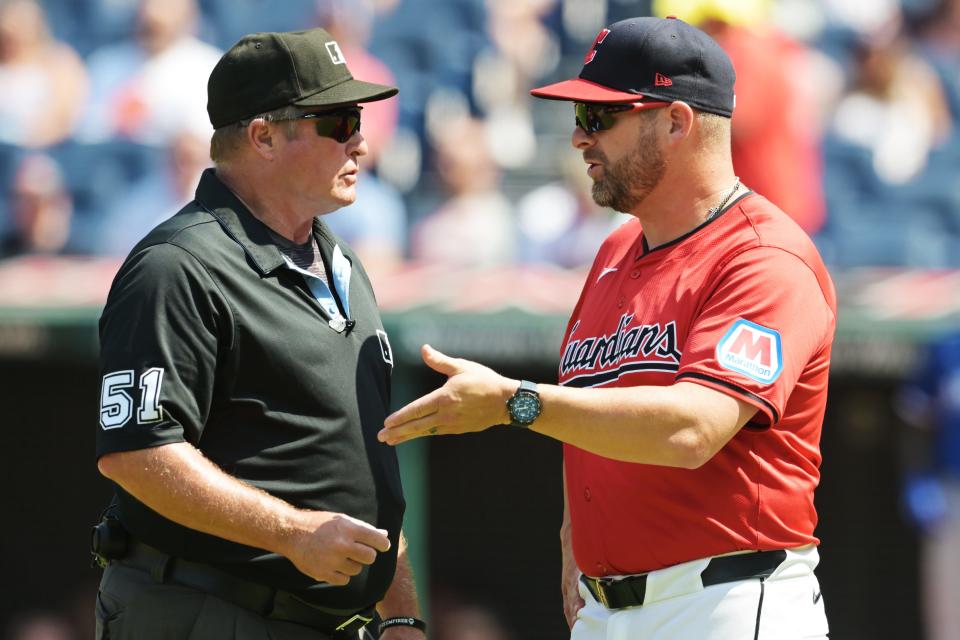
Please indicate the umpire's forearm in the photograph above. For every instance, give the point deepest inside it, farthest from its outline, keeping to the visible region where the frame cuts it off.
(401, 598)
(179, 483)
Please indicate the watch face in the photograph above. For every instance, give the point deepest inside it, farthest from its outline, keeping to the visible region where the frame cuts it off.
(525, 407)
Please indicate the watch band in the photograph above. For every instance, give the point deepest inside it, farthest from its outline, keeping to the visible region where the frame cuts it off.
(526, 389)
(526, 385)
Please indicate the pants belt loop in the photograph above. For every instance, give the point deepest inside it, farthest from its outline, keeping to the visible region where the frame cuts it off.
(161, 569)
(270, 605)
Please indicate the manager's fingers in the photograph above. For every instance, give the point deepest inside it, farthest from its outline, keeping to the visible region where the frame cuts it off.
(420, 408)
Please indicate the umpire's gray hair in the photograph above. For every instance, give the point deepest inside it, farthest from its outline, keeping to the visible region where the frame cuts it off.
(228, 139)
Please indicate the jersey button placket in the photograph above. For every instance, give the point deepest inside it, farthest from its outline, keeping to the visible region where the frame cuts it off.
(586, 494)
(635, 274)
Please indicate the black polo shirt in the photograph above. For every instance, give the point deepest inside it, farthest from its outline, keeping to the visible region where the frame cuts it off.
(208, 337)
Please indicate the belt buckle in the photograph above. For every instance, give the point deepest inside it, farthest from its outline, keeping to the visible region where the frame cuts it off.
(348, 623)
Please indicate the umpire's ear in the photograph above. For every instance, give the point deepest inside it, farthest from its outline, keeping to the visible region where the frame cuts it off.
(262, 137)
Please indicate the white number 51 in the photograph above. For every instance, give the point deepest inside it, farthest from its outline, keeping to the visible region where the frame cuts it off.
(116, 405)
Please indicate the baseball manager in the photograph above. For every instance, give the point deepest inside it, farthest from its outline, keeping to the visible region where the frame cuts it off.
(693, 373)
(246, 373)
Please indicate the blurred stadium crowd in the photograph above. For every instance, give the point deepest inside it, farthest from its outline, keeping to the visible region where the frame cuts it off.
(847, 119)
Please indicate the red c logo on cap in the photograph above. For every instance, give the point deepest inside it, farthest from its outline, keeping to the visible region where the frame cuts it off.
(587, 59)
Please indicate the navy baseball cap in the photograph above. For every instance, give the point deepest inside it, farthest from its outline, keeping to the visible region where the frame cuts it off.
(663, 59)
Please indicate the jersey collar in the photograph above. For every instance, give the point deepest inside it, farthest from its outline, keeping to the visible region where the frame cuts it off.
(645, 248)
(239, 223)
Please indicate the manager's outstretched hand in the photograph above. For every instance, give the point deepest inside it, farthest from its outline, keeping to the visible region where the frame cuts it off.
(473, 399)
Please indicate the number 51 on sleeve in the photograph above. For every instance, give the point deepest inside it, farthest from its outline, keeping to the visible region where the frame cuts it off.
(116, 405)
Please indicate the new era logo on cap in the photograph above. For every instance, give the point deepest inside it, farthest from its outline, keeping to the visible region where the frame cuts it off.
(660, 80)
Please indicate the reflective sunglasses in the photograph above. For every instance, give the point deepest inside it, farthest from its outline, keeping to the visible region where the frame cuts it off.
(592, 117)
(339, 124)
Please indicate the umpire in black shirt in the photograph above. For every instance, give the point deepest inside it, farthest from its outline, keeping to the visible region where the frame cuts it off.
(245, 374)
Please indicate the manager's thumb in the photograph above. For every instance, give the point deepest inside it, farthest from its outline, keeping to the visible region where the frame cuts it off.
(438, 361)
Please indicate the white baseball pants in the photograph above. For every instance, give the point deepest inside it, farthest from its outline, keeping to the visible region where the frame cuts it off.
(786, 606)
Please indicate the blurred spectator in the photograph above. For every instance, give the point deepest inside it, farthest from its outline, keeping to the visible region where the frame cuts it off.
(930, 403)
(895, 107)
(41, 209)
(474, 226)
(468, 622)
(523, 51)
(939, 42)
(44, 83)
(861, 16)
(148, 88)
(350, 22)
(376, 224)
(560, 224)
(154, 198)
(39, 626)
(776, 122)
(517, 30)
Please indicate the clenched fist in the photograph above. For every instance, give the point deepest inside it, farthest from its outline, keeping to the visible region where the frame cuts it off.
(333, 547)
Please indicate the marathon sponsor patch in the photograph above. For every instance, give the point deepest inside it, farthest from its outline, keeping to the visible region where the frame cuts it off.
(752, 350)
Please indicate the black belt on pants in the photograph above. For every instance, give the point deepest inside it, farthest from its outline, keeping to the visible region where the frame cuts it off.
(261, 599)
(618, 593)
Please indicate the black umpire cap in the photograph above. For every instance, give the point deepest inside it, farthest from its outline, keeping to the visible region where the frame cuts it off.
(266, 71)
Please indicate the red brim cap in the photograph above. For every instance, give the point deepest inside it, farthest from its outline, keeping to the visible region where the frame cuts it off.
(579, 90)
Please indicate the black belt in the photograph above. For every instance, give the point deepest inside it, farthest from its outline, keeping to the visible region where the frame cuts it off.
(618, 593)
(268, 602)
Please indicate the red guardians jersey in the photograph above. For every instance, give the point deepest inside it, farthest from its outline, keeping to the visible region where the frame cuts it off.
(742, 304)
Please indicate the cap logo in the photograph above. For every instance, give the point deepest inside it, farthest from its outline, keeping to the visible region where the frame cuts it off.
(587, 59)
(333, 49)
(660, 80)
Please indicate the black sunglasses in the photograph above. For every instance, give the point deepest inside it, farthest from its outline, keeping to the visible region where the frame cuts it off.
(339, 124)
(593, 117)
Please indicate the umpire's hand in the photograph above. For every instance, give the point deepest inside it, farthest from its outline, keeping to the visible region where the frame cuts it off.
(333, 547)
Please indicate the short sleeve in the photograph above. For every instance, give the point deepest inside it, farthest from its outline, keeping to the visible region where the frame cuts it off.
(160, 333)
(762, 325)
